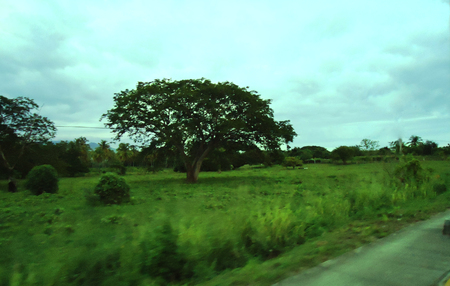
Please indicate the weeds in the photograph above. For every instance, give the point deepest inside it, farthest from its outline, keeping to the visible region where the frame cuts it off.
(177, 233)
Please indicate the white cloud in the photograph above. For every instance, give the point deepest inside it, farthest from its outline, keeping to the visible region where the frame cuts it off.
(339, 70)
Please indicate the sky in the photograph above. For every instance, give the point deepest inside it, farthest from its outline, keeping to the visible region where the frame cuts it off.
(340, 71)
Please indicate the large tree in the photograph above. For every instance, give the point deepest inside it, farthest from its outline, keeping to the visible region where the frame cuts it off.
(20, 126)
(369, 145)
(344, 153)
(196, 116)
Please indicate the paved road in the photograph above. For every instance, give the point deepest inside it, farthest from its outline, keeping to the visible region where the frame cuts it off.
(418, 255)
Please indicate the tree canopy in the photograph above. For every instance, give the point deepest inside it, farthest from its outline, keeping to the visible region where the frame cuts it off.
(344, 153)
(369, 145)
(20, 126)
(196, 116)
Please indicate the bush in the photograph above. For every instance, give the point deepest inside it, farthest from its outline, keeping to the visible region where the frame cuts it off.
(42, 179)
(112, 190)
(292, 162)
(439, 188)
(161, 257)
(411, 172)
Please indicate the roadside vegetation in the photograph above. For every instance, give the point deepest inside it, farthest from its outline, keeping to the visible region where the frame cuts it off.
(251, 226)
(73, 213)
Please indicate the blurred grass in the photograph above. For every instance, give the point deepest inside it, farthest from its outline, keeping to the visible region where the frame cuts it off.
(252, 226)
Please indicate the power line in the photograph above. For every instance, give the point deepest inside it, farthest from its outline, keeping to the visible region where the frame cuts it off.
(73, 126)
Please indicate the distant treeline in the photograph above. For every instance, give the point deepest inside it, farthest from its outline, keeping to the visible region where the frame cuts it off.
(75, 158)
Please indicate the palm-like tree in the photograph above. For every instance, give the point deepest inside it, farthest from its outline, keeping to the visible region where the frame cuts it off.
(124, 152)
(414, 141)
(102, 153)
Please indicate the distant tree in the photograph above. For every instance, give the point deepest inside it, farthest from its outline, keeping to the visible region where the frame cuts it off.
(397, 146)
(384, 151)
(294, 152)
(20, 126)
(218, 160)
(306, 154)
(344, 153)
(429, 148)
(124, 153)
(83, 146)
(369, 145)
(102, 153)
(196, 116)
(414, 141)
(445, 150)
(71, 154)
(153, 157)
(356, 150)
(317, 151)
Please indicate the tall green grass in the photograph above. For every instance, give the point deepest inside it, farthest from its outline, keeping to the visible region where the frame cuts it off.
(177, 233)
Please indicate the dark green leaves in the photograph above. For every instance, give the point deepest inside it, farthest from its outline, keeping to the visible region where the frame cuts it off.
(196, 110)
(196, 116)
(17, 120)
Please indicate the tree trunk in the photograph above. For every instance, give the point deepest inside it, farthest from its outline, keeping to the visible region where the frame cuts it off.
(12, 185)
(192, 171)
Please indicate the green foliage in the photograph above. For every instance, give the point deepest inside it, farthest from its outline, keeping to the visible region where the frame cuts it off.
(96, 268)
(69, 158)
(272, 228)
(397, 146)
(20, 126)
(429, 148)
(415, 140)
(273, 157)
(445, 150)
(161, 258)
(308, 152)
(306, 155)
(439, 188)
(384, 151)
(343, 153)
(196, 116)
(292, 162)
(74, 155)
(411, 172)
(127, 154)
(112, 190)
(118, 166)
(219, 229)
(218, 160)
(416, 146)
(42, 179)
(254, 156)
(369, 145)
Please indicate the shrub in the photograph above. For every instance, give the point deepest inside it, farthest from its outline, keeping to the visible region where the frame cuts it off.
(94, 269)
(112, 190)
(439, 188)
(119, 167)
(161, 257)
(272, 229)
(42, 179)
(411, 172)
(292, 162)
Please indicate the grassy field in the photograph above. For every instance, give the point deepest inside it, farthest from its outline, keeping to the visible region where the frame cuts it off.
(252, 226)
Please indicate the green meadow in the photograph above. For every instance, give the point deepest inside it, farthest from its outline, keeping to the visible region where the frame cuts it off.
(251, 226)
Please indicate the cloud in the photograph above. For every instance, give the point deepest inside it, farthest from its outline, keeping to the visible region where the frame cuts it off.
(337, 70)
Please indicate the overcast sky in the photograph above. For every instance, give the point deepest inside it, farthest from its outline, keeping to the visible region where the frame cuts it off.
(341, 71)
